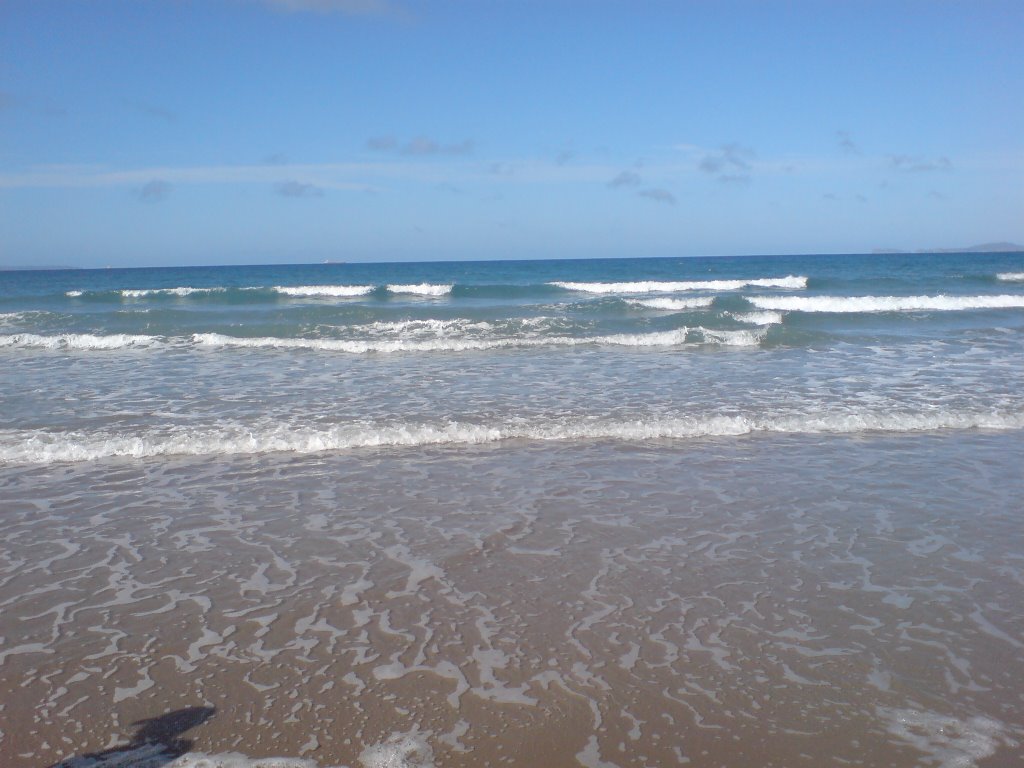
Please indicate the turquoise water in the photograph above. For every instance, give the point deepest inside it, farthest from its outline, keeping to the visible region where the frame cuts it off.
(308, 358)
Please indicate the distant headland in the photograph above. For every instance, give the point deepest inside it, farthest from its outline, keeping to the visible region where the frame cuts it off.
(983, 248)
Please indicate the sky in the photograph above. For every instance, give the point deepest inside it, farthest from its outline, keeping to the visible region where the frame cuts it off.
(170, 132)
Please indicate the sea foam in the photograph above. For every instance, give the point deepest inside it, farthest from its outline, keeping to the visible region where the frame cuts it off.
(466, 344)
(673, 304)
(759, 318)
(1010, 276)
(77, 341)
(844, 304)
(947, 742)
(656, 286)
(401, 750)
(139, 293)
(44, 447)
(421, 289)
(324, 290)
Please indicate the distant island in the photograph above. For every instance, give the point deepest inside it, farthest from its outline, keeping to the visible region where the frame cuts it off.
(27, 267)
(983, 248)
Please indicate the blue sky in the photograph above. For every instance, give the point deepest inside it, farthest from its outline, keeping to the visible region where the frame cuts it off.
(252, 131)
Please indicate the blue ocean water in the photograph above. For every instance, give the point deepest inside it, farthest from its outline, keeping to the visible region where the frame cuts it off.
(309, 358)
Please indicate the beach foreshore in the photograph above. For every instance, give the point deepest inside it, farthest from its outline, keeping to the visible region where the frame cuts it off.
(766, 601)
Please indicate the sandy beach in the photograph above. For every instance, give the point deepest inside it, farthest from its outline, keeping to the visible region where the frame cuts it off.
(774, 601)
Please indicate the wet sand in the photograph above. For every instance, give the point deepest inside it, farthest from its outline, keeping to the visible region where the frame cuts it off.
(771, 601)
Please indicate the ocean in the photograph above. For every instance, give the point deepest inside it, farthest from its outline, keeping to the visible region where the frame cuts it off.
(627, 512)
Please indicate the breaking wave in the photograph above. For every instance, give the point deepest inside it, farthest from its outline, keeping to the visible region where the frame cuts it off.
(655, 286)
(324, 290)
(673, 304)
(138, 293)
(884, 303)
(759, 318)
(1011, 276)
(463, 344)
(415, 336)
(421, 289)
(42, 447)
(77, 341)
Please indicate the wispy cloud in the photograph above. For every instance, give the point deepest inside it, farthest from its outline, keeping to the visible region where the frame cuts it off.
(658, 195)
(501, 169)
(846, 144)
(420, 146)
(364, 176)
(298, 189)
(154, 191)
(918, 164)
(345, 7)
(731, 163)
(626, 179)
(151, 110)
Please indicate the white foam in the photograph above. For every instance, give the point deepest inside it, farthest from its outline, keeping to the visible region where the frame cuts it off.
(743, 338)
(13, 318)
(444, 343)
(77, 341)
(884, 303)
(655, 286)
(73, 294)
(673, 304)
(324, 290)
(426, 327)
(42, 447)
(422, 289)
(432, 336)
(1010, 276)
(138, 293)
(402, 750)
(948, 742)
(759, 318)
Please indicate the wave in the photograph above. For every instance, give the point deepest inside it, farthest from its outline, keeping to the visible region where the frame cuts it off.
(884, 303)
(1010, 276)
(13, 318)
(324, 290)
(655, 286)
(422, 289)
(673, 304)
(77, 341)
(759, 318)
(419, 336)
(434, 327)
(464, 344)
(138, 293)
(41, 447)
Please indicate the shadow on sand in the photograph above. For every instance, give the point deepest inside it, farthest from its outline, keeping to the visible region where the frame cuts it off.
(154, 744)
